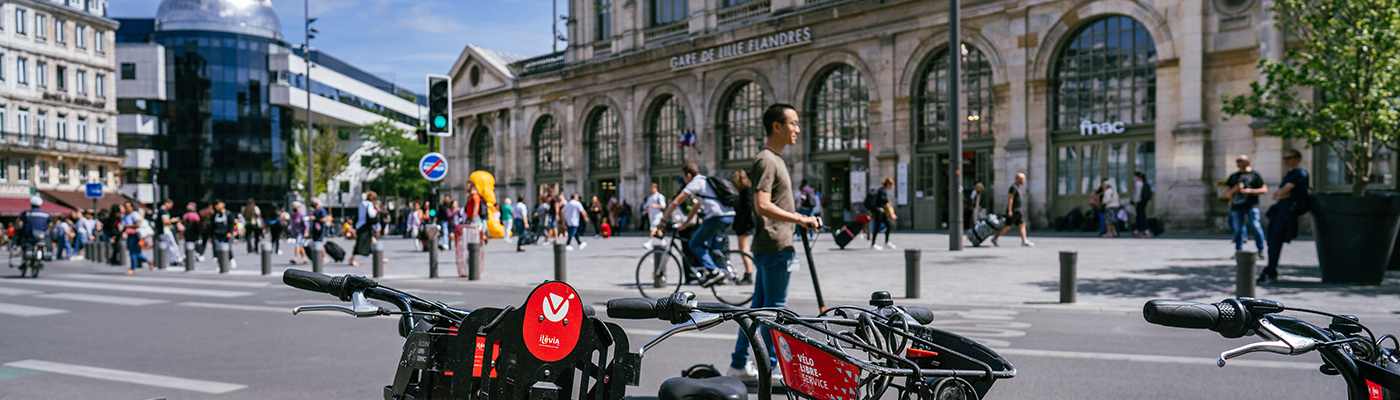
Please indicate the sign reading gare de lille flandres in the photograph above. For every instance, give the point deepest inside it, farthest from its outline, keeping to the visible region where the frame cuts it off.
(743, 47)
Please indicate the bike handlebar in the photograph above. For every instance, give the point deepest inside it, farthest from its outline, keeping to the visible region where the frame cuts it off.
(1232, 318)
(340, 286)
(632, 308)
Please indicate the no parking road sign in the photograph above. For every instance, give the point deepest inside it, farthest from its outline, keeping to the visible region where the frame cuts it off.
(433, 167)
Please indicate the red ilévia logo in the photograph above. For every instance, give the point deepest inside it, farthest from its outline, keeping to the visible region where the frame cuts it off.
(553, 317)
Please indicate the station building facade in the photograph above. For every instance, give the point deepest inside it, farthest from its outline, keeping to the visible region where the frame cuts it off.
(1067, 92)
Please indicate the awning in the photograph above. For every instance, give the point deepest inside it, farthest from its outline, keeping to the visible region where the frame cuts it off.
(80, 201)
(14, 206)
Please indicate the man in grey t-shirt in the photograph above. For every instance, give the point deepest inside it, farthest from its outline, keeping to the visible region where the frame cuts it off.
(773, 229)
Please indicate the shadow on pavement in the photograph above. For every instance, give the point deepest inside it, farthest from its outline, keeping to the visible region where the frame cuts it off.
(1205, 281)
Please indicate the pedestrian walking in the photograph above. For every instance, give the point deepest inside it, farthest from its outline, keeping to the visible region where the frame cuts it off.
(365, 219)
(614, 211)
(522, 221)
(656, 202)
(1290, 202)
(596, 214)
(1016, 211)
(1142, 193)
(445, 213)
(131, 224)
(112, 228)
(1244, 187)
(1110, 208)
(191, 221)
(83, 232)
(774, 255)
(881, 214)
(296, 224)
(743, 220)
(573, 210)
(252, 225)
(507, 211)
(276, 226)
(206, 227)
(413, 221)
(624, 214)
(222, 225)
(718, 217)
(63, 238)
(166, 236)
(979, 201)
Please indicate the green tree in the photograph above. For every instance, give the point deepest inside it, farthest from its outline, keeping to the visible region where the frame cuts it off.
(394, 154)
(326, 158)
(1337, 85)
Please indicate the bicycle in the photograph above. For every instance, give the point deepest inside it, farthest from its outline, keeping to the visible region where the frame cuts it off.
(886, 348)
(652, 277)
(1371, 371)
(31, 258)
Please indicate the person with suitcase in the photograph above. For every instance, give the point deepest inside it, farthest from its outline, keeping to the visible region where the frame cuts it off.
(1015, 211)
(881, 214)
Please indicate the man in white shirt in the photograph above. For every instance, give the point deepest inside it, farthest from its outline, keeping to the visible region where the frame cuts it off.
(717, 217)
(573, 212)
(655, 203)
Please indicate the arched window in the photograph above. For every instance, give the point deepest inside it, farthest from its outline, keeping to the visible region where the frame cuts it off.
(741, 122)
(974, 97)
(1105, 73)
(483, 151)
(665, 124)
(549, 147)
(602, 140)
(840, 107)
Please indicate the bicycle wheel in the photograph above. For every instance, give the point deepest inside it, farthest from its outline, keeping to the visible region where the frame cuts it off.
(730, 291)
(654, 279)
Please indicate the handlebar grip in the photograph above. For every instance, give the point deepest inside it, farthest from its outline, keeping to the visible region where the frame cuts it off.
(1181, 314)
(923, 315)
(632, 308)
(311, 281)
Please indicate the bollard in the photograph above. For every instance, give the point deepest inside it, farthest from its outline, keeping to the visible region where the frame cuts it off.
(120, 248)
(912, 279)
(432, 251)
(266, 250)
(560, 269)
(224, 252)
(378, 259)
(318, 250)
(87, 251)
(159, 257)
(1068, 288)
(473, 261)
(190, 256)
(658, 273)
(1244, 273)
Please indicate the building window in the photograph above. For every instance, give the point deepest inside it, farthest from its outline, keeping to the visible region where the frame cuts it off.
(23, 171)
(43, 167)
(549, 146)
(61, 74)
(4, 169)
(61, 127)
(41, 121)
(665, 124)
(128, 71)
(19, 20)
(22, 71)
(83, 174)
(482, 151)
(974, 97)
(98, 41)
(80, 80)
(80, 36)
(602, 140)
(58, 31)
(101, 134)
(101, 82)
(101, 174)
(728, 3)
(39, 25)
(840, 109)
(1105, 74)
(63, 174)
(667, 11)
(2, 67)
(41, 69)
(741, 122)
(604, 19)
(82, 130)
(22, 118)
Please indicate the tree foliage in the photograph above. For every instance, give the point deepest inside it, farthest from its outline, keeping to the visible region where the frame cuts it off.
(1339, 82)
(326, 159)
(394, 153)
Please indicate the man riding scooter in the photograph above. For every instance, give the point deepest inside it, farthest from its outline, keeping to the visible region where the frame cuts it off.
(30, 231)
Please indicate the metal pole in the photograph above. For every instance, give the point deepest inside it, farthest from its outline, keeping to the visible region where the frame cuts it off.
(122, 258)
(432, 251)
(306, 54)
(658, 273)
(474, 260)
(955, 233)
(266, 250)
(190, 256)
(1068, 287)
(317, 249)
(224, 251)
(378, 262)
(912, 278)
(560, 263)
(1244, 273)
(159, 255)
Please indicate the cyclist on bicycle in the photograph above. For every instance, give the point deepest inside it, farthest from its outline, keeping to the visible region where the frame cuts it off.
(717, 218)
(33, 224)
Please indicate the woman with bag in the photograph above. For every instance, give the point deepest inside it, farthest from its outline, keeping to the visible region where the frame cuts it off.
(367, 217)
(1110, 207)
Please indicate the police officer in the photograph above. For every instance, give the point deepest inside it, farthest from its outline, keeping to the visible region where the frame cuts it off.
(31, 229)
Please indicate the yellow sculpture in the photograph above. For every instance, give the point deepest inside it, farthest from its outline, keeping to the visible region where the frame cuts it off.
(486, 187)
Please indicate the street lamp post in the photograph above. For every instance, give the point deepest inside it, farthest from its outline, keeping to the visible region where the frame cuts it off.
(955, 221)
(310, 127)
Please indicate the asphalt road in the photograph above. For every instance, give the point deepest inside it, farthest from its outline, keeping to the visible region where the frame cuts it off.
(84, 331)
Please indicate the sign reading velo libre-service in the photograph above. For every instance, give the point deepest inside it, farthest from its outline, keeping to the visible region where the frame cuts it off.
(741, 48)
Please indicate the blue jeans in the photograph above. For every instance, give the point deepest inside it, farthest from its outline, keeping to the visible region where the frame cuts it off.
(573, 236)
(704, 239)
(78, 242)
(64, 249)
(133, 246)
(771, 283)
(1240, 220)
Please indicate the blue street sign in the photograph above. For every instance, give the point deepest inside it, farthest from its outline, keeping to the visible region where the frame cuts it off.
(94, 190)
(433, 166)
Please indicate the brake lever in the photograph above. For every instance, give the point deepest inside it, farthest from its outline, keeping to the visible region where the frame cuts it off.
(359, 307)
(1283, 343)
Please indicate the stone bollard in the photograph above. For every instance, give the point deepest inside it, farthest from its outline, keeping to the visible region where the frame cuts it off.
(378, 261)
(912, 275)
(266, 250)
(473, 261)
(658, 273)
(1244, 273)
(1068, 288)
(190, 256)
(159, 257)
(432, 231)
(318, 251)
(224, 252)
(120, 250)
(560, 267)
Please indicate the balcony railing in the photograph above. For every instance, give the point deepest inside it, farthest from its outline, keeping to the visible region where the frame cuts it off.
(668, 31)
(602, 48)
(19, 141)
(744, 11)
(814, 3)
(539, 65)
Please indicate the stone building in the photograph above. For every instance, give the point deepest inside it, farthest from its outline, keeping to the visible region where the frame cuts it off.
(1067, 92)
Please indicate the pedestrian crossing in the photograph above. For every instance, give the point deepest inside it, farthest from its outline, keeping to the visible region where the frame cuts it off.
(61, 293)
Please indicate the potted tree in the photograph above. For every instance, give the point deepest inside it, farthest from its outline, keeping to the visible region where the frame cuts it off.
(1338, 88)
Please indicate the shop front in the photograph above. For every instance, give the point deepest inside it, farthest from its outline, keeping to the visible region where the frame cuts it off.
(976, 119)
(838, 129)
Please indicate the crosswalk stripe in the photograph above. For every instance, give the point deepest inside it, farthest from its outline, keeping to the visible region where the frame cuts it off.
(97, 298)
(128, 376)
(187, 281)
(28, 311)
(16, 291)
(136, 288)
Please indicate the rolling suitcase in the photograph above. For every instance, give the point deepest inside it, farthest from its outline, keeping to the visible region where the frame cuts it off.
(335, 251)
(983, 229)
(847, 233)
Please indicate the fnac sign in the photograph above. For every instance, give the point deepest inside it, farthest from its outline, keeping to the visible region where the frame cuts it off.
(553, 317)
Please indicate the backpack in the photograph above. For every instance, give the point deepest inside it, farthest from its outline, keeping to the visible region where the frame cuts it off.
(483, 212)
(725, 193)
(875, 200)
(1147, 191)
(809, 200)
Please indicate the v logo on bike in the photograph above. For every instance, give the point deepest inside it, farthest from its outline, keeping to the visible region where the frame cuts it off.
(553, 318)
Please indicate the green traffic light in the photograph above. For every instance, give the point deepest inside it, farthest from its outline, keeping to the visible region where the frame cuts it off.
(440, 122)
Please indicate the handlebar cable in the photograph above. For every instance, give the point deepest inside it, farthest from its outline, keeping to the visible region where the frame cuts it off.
(1392, 338)
(1358, 323)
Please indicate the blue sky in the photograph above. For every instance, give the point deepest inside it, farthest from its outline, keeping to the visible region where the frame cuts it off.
(402, 40)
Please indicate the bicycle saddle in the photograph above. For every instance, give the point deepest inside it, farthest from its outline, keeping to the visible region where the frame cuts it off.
(716, 388)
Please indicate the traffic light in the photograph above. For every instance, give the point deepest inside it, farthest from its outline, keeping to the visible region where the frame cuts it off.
(422, 136)
(439, 105)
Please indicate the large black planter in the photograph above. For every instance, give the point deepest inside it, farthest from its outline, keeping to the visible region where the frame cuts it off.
(1355, 236)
